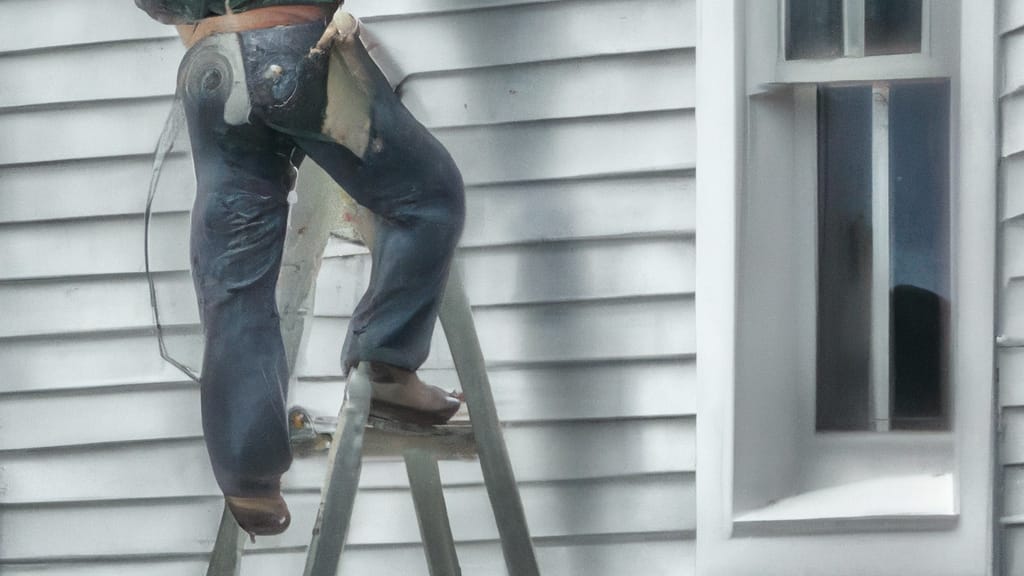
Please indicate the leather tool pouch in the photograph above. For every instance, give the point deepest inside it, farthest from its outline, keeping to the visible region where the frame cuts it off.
(271, 74)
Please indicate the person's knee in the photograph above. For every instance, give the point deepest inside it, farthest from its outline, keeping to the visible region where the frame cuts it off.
(447, 212)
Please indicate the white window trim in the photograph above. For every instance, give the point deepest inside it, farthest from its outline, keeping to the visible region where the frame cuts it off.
(721, 112)
(934, 60)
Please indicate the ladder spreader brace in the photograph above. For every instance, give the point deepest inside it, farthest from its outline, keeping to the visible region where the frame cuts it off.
(344, 464)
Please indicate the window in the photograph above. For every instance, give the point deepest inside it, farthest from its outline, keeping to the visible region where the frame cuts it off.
(845, 259)
(774, 484)
(818, 29)
(883, 256)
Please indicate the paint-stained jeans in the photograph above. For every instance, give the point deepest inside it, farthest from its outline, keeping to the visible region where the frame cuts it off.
(239, 220)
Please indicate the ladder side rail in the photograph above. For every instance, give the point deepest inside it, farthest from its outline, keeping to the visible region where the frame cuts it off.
(344, 465)
(226, 559)
(459, 329)
(432, 513)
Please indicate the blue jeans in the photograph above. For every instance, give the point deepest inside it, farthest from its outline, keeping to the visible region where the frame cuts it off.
(244, 174)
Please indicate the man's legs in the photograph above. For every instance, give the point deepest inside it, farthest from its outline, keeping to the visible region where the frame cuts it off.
(412, 186)
(239, 221)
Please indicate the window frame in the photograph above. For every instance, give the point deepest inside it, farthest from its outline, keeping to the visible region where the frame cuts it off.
(729, 80)
(769, 66)
(805, 459)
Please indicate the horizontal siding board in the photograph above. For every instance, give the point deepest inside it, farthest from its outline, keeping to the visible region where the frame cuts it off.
(92, 247)
(1013, 550)
(93, 188)
(133, 566)
(499, 214)
(532, 274)
(574, 148)
(101, 359)
(370, 9)
(180, 468)
(1012, 317)
(611, 506)
(564, 209)
(1011, 376)
(1013, 252)
(94, 304)
(81, 417)
(133, 413)
(613, 556)
(518, 34)
(486, 154)
(599, 86)
(1011, 173)
(660, 388)
(1013, 491)
(1012, 449)
(587, 331)
(1011, 15)
(1013, 124)
(538, 273)
(73, 132)
(65, 23)
(1013, 55)
(100, 72)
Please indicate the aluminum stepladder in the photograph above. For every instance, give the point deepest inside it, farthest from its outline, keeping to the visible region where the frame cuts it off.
(344, 460)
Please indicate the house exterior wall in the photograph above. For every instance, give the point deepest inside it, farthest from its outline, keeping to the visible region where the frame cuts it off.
(573, 123)
(1010, 358)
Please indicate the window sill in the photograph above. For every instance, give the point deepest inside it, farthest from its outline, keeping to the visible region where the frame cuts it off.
(899, 503)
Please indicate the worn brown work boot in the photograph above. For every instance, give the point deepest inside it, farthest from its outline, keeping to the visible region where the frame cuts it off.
(260, 516)
(400, 395)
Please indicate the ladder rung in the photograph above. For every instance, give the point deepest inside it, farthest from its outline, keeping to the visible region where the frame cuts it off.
(383, 438)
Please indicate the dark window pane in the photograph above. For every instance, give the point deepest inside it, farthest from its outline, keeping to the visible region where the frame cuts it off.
(814, 29)
(844, 258)
(919, 247)
(892, 27)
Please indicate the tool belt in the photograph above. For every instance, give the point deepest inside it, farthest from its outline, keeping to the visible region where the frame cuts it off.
(300, 79)
(254, 19)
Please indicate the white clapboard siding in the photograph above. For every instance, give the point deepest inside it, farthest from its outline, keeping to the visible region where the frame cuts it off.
(615, 84)
(1013, 51)
(1013, 132)
(655, 503)
(606, 554)
(543, 273)
(533, 32)
(49, 24)
(92, 246)
(574, 332)
(581, 208)
(509, 275)
(98, 415)
(573, 124)
(1011, 175)
(140, 69)
(561, 451)
(92, 188)
(1011, 15)
(1010, 355)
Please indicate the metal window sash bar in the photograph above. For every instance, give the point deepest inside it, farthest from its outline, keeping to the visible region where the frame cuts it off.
(880, 269)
